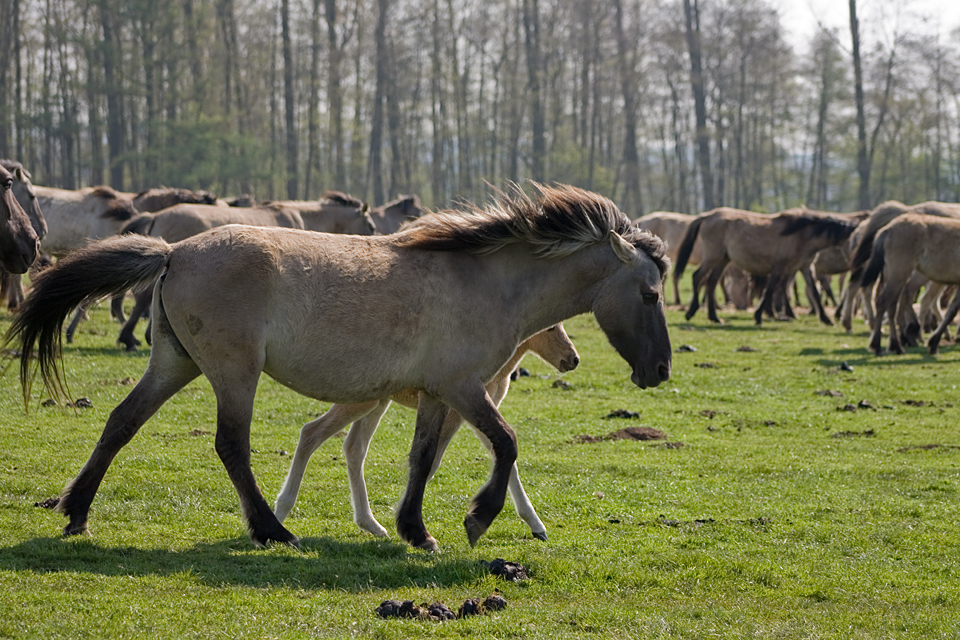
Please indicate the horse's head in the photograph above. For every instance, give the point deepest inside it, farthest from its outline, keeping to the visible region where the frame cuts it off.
(19, 243)
(26, 195)
(629, 309)
(555, 347)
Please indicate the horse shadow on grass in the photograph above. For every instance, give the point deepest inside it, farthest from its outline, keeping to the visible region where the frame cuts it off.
(322, 563)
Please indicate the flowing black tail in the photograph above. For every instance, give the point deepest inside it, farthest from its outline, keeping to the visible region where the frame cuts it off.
(686, 247)
(877, 257)
(98, 270)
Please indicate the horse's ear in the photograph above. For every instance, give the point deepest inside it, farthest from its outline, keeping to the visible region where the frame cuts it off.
(623, 249)
(21, 174)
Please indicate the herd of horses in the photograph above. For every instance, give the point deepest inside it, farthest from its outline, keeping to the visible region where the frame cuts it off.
(294, 289)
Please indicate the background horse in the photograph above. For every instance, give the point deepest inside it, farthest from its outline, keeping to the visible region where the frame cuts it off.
(774, 246)
(448, 299)
(19, 243)
(553, 345)
(335, 212)
(388, 217)
(912, 241)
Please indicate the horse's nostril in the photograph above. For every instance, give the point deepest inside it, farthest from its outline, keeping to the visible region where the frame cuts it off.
(664, 372)
(573, 363)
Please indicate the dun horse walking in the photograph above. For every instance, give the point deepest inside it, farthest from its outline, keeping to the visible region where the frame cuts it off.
(437, 307)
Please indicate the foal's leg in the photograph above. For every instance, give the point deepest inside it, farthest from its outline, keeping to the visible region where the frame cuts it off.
(886, 304)
(312, 435)
(813, 293)
(141, 304)
(169, 370)
(355, 447)
(934, 342)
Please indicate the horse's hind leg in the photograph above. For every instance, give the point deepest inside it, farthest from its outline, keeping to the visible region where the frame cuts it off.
(141, 304)
(312, 435)
(766, 301)
(355, 447)
(934, 342)
(713, 279)
(116, 307)
(698, 276)
(169, 370)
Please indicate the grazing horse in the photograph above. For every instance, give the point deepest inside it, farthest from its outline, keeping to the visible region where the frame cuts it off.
(774, 246)
(11, 285)
(553, 345)
(390, 216)
(912, 242)
(19, 242)
(448, 301)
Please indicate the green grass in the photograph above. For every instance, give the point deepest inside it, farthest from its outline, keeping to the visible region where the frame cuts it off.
(780, 516)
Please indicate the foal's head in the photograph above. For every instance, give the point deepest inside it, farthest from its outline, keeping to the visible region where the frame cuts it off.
(555, 347)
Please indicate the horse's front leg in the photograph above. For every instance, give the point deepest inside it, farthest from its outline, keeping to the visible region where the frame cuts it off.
(766, 301)
(431, 414)
(480, 411)
(933, 343)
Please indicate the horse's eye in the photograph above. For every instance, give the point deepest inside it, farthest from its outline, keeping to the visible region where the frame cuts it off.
(650, 298)
(8, 183)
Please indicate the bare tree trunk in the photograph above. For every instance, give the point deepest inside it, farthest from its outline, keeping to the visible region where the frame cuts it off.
(288, 99)
(692, 14)
(632, 201)
(111, 55)
(335, 95)
(863, 165)
(531, 28)
(376, 129)
(193, 51)
(313, 118)
(437, 111)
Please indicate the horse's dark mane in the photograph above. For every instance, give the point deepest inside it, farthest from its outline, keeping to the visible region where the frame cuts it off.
(560, 221)
(344, 199)
(836, 229)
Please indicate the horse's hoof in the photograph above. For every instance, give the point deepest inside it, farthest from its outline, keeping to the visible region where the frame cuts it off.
(427, 544)
(75, 529)
(474, 529)
(281, 537)
(540, 535)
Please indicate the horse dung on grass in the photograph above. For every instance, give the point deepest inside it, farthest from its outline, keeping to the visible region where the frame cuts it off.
(439, 306)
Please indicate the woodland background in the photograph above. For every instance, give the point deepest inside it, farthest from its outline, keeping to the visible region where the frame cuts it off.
(676, 105)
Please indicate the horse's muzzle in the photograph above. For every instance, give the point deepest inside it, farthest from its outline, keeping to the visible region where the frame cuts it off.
(652, 377)
(569, 364)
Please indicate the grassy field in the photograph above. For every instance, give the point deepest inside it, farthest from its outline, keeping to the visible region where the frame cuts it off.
(792, 498)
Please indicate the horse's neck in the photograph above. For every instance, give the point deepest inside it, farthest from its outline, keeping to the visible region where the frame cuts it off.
(545, 291)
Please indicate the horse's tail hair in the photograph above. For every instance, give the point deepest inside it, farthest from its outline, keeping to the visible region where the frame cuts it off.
(877, 258)
(100, 269)
(141, 224)
(686, 247)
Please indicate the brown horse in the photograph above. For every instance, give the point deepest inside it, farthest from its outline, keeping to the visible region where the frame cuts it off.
(774, 246)
(553, 345)
(438, 307)
(388, 217)
(162, 197)
(671, 228)
(19, 243)
(912, 242)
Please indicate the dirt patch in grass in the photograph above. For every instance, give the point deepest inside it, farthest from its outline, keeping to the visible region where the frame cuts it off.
(509, 571)
(868, 433)
(926, 447)
(48, 503)
(628, 433)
